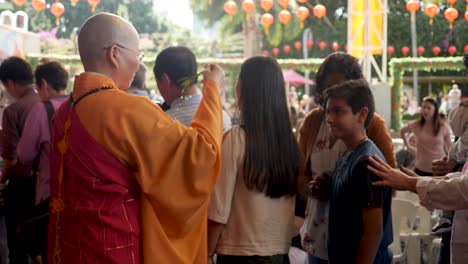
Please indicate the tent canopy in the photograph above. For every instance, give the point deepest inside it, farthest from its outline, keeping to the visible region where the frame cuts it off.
(291, 77)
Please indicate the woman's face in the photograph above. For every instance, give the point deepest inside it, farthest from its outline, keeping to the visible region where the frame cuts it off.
(427, 110)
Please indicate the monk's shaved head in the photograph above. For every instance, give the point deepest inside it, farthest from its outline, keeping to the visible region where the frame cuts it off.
(100, 32)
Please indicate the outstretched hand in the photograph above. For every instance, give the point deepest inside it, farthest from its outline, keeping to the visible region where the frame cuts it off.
(215, 73)
(402, 180)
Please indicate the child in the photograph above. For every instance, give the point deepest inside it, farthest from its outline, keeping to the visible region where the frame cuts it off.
(359, 229)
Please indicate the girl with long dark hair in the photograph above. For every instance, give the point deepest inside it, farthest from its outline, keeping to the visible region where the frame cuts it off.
(251, 213)
(432, 137)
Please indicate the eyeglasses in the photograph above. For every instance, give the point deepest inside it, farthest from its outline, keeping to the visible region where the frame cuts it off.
(140, 55)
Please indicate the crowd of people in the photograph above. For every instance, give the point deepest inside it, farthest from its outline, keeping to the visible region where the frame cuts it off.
(106, 175)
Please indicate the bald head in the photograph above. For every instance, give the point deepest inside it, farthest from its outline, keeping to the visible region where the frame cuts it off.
(100, 32)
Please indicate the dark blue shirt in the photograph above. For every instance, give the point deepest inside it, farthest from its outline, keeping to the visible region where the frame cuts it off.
(351, 192)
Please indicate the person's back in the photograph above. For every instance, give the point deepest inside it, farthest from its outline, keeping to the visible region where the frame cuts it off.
(251, 212)
(142, 166)
(138, 85)
(17, 77)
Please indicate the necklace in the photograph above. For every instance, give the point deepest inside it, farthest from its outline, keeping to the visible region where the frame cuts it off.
(74, 103)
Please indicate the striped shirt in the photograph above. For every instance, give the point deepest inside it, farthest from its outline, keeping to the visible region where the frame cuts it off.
(183, 110)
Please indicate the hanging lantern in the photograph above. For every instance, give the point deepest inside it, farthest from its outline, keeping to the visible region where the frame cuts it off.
(19, 2)
(420, 50)
(267, 20)
(276, 51)
(451, 14)
(319, 11)
(283, 3)
(465, 49)
(310, 43)
(287, 49)
(74, 2)
(302, 13)
(335, 46)
(436, 50)
(451, 2)
(230, 7)
(412, 6)
(346, 47)
(322, 45)
(93, 4)
(405, 50)
(302, 1)
(266, 53)
(452, 50)
(298, 45)
(57, 10)
(390, 50)
(248, 6)
(466, 14)
(267, 5)
(431, 10)
(39, 5)
(284, 17)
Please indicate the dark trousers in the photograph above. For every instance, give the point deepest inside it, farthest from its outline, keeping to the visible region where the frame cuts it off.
(444, 252)
(276, 259)
(19, 200)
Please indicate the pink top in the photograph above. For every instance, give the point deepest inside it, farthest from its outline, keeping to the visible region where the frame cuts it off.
(428, 146)
(37, 141)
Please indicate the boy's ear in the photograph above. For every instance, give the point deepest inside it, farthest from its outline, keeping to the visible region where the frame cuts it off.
(362, 115)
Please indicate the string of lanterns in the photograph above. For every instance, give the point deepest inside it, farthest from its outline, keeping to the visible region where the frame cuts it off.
(57, 8)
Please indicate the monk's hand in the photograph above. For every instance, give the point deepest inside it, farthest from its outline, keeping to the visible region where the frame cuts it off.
(396, 179)
(320, 187)
(215, 73)
(443, 166)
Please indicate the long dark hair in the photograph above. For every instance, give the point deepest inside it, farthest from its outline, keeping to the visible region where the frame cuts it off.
(337, 62)
(436, 120)
(272, 157)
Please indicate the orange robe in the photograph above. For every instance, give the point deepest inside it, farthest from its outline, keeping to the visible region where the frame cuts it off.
(176, 167)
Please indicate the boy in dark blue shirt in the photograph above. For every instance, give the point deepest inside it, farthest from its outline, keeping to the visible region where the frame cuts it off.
(360, 228)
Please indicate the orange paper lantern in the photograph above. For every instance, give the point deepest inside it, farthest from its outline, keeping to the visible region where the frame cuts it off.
(93, 4)
(319, 11)
(39, 5)
(74, 2)
(466, 14)
(465, 49)
(335, 46)
(284, 16)
(19, 2)
(302, 13)
(413, 5)
(248, 6)
(267, 20)
(298, 45)
(267, 5)
(283, 3)
(431, 10)
(287, 49)
(451, 14)
(420, 50)
(390, 50)
(322, 45)
(305, 1)
(310, 43)
(276, 51)
(436, 50)
(452, 50)
(230, 7)
(57, 9)
(266, 53)
(405, 50)
(451, 2)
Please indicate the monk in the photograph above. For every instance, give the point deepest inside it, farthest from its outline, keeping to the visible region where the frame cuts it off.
(129, 184)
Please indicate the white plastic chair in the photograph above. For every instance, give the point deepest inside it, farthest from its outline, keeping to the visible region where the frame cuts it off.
(8, 18)
(22, 20)
(403, 218)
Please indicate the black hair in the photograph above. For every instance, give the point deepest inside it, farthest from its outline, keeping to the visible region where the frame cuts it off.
(53, 73)
(17, 70)
(177, 62)
(337, 62)
(139, 79)
(272, 156)
(356, 94)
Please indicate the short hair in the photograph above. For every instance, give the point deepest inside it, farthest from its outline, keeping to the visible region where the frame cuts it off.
(17, 70)
(337, 62)
(140, 78)
(177, 62)
(356, 94)
(53, 73)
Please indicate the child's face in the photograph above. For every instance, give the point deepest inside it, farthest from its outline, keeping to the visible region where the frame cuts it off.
(340, 118)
